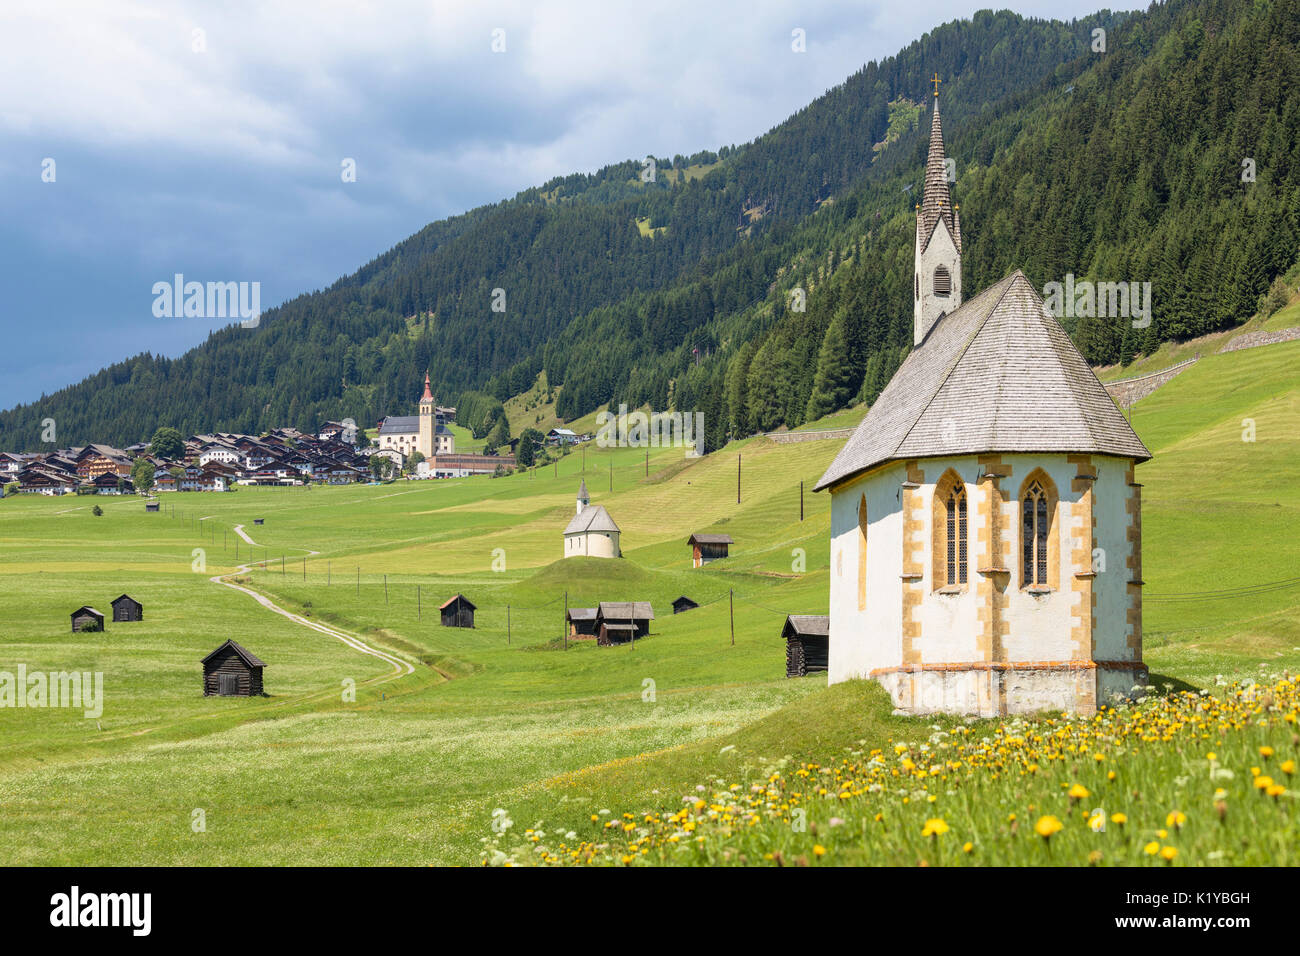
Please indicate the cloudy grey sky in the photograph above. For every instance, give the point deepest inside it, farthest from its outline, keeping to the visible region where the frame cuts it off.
(207, 139)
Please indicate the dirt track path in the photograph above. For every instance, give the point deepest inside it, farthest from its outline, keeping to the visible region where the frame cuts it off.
(400, 667)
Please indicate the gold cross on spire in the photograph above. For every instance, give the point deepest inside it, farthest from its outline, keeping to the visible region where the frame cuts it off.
(936, 81)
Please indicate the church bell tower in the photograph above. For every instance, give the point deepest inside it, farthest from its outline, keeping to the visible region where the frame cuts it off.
(937, 284)
(428, 420)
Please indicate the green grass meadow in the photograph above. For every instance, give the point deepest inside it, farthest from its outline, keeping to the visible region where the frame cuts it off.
(503, 716)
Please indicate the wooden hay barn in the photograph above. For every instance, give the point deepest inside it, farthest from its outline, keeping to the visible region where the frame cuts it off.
(127, 608)
(684, 603)
(231, 671)
(259, 521)
(457, 611)
(708, 547)
(618, 622)
(582, 621)
(807, 639)
(86, 618)
(151, 506)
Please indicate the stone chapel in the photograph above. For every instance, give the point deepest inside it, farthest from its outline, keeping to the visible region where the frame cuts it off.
(986, 525)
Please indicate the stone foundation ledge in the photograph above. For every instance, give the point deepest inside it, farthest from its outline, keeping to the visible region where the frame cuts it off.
(1003, 688)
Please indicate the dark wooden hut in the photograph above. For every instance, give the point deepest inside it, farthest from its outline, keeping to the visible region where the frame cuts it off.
(708, 547)
(807, 640)
(127, 608)
(259, 521)
(582, 621)
(86, 618)
(457, 611)
(684, 603)
(151, 506)
(618, 622)
(231, 671)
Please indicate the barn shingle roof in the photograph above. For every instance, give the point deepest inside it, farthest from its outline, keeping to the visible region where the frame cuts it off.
(249, 658)
(626, 611)
(710, 539)
(808, 625)
(997, 375)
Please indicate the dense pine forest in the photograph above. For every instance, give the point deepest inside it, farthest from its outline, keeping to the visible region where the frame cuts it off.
(770, 283)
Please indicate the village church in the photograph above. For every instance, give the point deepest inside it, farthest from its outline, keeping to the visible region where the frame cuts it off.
(986, 525)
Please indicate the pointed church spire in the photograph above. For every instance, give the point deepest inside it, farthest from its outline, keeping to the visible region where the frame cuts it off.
(428, 393)
(936, 203)
(938, 251)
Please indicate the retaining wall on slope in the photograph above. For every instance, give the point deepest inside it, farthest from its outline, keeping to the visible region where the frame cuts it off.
(1254, 339)
(1129, 390)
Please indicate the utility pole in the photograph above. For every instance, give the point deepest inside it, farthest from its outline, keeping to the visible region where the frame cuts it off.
(565, 629)
(731, 600)
(737, 479)
(801, 501)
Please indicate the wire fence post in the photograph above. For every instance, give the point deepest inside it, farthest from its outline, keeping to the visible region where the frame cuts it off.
(731, 600)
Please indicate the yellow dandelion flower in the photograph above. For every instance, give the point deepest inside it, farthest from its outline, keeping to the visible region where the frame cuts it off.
(1046, 826)
(1152, 848)
(819, 850)
(1119, 819)
(968, 847)
(1078, 792)
(1168, 853)
(1263, 783)
(1176, 819)
(935, 826)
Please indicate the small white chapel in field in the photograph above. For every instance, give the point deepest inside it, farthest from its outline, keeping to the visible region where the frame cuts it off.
(986, 526)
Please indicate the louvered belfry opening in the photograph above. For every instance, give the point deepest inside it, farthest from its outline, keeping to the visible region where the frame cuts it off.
(956, 510)
(1034, 535)
(942, 282)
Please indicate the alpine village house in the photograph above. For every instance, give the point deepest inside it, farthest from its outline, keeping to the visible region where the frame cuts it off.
(985, 522)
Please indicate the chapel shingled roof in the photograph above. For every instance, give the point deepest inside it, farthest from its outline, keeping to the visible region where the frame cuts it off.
(591, 518)
(996, 375)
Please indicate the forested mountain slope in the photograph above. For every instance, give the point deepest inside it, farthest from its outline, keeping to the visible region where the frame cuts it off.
(1123, 165)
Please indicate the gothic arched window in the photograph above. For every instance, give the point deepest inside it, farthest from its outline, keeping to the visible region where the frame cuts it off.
(942, 282)
(955, 507)
(1035, 515)
(949, 543)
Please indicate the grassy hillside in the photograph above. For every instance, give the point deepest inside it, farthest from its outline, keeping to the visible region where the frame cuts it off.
(502, 716)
